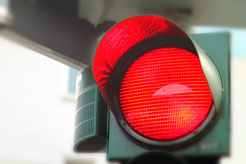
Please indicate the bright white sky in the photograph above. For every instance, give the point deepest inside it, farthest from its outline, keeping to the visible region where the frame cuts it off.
(36, 124)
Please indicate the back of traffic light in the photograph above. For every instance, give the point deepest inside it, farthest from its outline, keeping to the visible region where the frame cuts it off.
(164, 92)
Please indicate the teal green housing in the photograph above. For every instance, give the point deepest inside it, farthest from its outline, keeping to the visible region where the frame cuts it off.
(216, 142)
(90, 131)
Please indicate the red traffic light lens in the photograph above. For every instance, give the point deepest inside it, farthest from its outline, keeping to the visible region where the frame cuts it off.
(124, 36)
(164, 94)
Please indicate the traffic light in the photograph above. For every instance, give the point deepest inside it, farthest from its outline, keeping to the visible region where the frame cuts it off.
(163, 91)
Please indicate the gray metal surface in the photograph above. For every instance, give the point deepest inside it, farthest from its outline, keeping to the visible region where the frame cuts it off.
(69, 30)
(55, 25)
(189, 12)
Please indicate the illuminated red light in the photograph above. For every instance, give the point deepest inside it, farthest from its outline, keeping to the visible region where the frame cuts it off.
(164, 94)
(123, 36)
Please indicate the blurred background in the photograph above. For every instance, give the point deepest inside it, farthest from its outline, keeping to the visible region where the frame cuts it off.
(43, 46)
